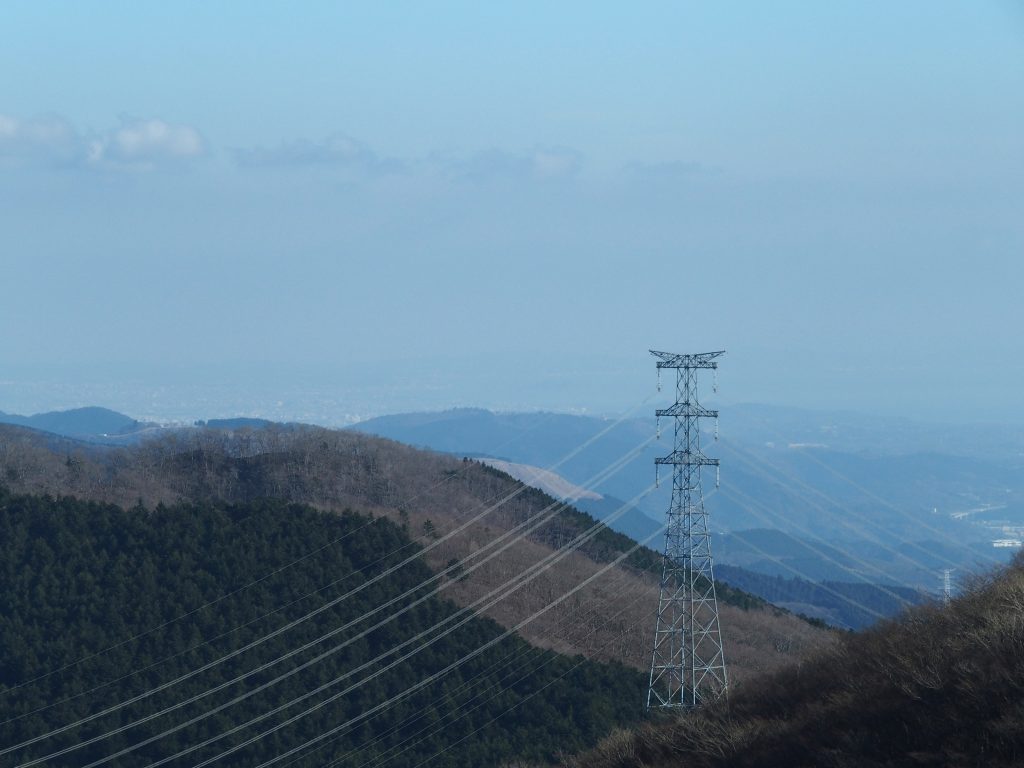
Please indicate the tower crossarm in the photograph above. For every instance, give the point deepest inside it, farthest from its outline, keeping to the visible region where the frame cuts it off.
(690, 458)
(698, 360)
(687, 409)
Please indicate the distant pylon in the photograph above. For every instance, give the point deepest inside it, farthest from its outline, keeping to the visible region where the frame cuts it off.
(947, 585)
(688, 664)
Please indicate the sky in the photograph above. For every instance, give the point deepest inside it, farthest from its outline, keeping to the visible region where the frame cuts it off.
(347, 209)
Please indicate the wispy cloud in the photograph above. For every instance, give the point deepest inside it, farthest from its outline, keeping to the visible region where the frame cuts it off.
(146, 143)
(337, 151)
(538, 163)
(47, 140)
(343, 152)
(671, 169)
(134, 144)
(142, 144)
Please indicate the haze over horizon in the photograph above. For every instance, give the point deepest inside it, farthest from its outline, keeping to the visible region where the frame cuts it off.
(368, 209)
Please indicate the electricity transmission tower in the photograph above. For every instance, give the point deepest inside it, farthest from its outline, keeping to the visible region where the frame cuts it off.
(688, 665)
(947, 585)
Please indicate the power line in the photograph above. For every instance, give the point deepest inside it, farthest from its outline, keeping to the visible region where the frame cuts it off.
(323, 655)
(743, 456)
(800, 574)
(241, 726)
(211, 640)
(517, 532)
(382, 760)
(268, 614)
(798, 482)
(885, 502)
(502, 592)
(825, 556)
(754, 546)
(270, 574)
(330, 604)
(437, 675)
(524, 649)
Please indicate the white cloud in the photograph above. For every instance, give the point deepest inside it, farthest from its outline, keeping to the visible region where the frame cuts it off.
(146, 143)
(338, 150)
(343, 152)
(538, 163)
(559, 161)
(134, 144)
(49, 140)
(669, 169)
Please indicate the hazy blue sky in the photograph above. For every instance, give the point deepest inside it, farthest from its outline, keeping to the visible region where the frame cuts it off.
(344, 209)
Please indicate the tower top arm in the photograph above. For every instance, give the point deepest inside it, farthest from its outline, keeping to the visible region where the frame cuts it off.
(698, 360)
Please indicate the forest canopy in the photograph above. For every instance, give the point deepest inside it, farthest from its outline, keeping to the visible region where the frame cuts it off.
(102, 603)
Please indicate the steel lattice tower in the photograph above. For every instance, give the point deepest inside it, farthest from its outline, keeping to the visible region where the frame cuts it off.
(688, 665)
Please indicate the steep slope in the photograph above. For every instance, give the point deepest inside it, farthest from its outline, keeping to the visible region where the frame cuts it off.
(95, 592)
(940, 687)
(430, 496)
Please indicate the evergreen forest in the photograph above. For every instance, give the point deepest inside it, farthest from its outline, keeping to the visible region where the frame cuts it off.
(102, 604)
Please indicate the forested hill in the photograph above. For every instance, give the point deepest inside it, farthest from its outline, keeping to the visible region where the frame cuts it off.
(452, 507)
(86, 423)
(192, 582)
(941, 686)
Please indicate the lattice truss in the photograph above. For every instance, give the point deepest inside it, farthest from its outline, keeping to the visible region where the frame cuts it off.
(688, 664)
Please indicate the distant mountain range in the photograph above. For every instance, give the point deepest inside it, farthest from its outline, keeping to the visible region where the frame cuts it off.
(903, 509)
(90, 423)
(786, 510)
(106, 427)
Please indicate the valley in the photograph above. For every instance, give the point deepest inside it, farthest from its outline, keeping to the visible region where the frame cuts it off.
(533, 562)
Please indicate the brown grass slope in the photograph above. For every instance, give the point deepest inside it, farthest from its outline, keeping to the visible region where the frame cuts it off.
(942, 686)
(429, 493)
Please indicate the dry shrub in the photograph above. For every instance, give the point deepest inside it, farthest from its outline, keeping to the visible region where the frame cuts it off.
(941, 686)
